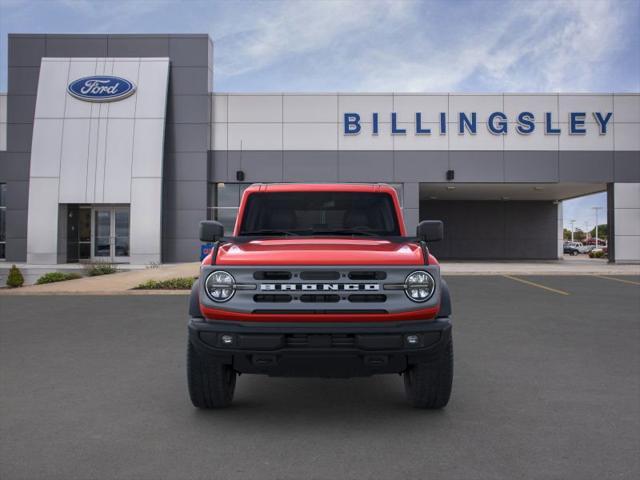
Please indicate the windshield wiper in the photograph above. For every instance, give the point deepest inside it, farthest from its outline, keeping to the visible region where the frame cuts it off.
(266, 231)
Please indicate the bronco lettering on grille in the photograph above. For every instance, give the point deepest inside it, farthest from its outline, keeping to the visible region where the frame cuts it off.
(319, 287)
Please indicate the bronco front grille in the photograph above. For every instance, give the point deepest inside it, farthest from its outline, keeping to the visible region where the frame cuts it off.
(320, 341)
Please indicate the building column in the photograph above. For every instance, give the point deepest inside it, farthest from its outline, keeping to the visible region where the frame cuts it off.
(411, 206)
(560, 237)
(623, 209)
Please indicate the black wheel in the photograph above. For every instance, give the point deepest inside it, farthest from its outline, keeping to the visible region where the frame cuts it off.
(428, 385)
(211, 383)
(574, 253)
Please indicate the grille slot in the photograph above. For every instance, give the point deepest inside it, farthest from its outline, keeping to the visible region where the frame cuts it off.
(272, 298)
(320, 275)
(318, 311)
(320, 341)
(362, 298)
(272, 275)
(319, 298)
(367, 275)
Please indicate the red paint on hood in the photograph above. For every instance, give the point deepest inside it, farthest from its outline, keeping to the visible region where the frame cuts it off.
(320, 251)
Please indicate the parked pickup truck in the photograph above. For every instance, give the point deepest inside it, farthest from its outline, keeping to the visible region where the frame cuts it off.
(320, 281)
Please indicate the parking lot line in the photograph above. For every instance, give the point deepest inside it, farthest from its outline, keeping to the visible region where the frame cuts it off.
(618, 279)
(534, 284)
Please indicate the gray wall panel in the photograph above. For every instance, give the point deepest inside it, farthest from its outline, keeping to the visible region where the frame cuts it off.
(188, 109)
(186, 137)
(302, 165)
(16, 224)
(429, 166)
(19, 137)
(185, 166)
(183, 195)
(17, 247)
(586, 166)
(183, 223)
(26, 50)
(258, 166)
(22, 108)
(138, 46)
(14, 166)
(477, 166)
(188, 80)
(529, 166)
(494, 230)
(76, 46)
(189, 51)
(626, 166)
(365, 166)
(218, 166)
(23, 81)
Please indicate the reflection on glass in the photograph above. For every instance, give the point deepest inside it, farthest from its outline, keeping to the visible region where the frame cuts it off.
(122, 233)
(103, 233)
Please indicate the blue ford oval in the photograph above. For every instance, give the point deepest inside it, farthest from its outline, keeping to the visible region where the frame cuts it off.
(101, 88)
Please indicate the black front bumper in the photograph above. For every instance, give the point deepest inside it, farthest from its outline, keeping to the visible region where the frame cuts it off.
(320, 349)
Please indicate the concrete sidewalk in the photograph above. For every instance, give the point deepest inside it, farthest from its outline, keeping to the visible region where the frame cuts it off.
(116, 283)
(124, 282)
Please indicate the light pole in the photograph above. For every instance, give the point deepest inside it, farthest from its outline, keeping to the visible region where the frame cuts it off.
(572, 222)
(596, 210)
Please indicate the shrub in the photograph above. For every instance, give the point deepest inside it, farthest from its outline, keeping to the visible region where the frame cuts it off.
(96, 269)
(180, 283)
(596, 254)
(52, 277)
(15, 278)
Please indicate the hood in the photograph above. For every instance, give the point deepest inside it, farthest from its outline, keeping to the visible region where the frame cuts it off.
(320, 251)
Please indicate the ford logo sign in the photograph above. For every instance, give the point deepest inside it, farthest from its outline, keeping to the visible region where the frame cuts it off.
(101, 88)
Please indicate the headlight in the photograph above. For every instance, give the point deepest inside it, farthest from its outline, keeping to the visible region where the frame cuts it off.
(419, 286)
(220, 286)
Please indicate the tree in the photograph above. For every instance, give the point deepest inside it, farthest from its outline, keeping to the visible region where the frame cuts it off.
(603, 231)
(15, 278)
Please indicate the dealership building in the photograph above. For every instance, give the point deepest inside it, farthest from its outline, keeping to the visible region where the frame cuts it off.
(114, 147)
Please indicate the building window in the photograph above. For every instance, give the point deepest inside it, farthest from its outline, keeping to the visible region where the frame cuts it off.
(223, 203)
(3, 220)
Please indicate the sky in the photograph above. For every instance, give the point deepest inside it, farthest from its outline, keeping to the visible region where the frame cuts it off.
(377, 45)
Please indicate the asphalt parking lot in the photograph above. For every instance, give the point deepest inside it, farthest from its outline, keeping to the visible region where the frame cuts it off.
(547, 385)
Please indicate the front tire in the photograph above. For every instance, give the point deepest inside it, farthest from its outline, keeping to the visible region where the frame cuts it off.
(428, 385)
(211, 383)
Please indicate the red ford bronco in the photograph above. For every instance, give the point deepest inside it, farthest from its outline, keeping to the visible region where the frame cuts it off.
(320, 281)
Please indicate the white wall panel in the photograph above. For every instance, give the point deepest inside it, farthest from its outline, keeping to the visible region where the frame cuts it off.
(151, 95)
(365, 140)
(310, 108)
(483, 105)
(74, 158)
(148, 147)
(627, 136)
(51, 87)
(101, 158)
(146, 219)
(534, 141)
(219, 136)
(626, 195)
(584, 103)
(3, 136)
(365, 105)
(536, 104)
(92, 160)
(45, 147)
(628, 221)
(310, 136)
(592, 140)
(42, 222)
(627, 249)
(219, 105)
(483, 140)
(125, 108)
(626, 107)
(3, 108)
(430, 106)
(77, 108)
(255, 108)
(118, 158)
(255, 136)
(411, 141)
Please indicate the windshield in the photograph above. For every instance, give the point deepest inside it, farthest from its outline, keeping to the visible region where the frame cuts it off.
(319, 213)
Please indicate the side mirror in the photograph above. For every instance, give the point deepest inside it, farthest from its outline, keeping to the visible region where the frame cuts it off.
(430, 230)
(211, 231)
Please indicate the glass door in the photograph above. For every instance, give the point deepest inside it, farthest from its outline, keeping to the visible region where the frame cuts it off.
(111, 234)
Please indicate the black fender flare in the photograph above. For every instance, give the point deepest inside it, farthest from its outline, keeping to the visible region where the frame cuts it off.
(445, 300)
(194, 300)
